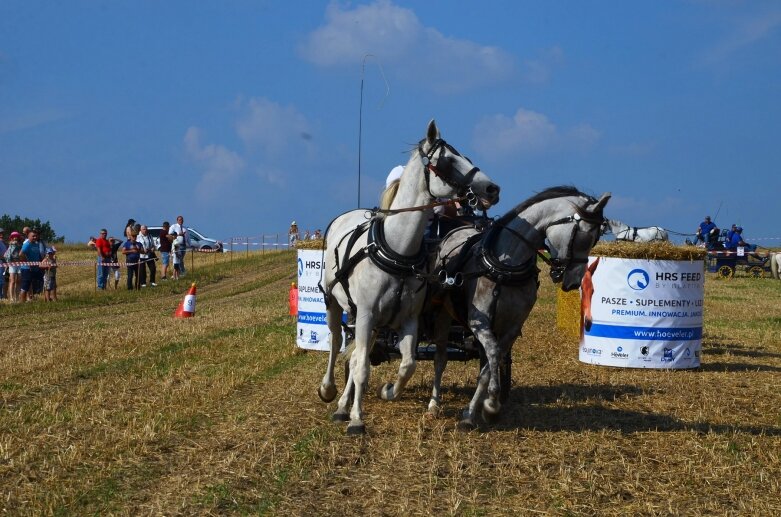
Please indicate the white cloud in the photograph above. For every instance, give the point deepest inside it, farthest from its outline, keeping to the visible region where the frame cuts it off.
(529, 132)
(396, 36)
(219, 165)
(32, 119)
(538, 70)
(271, 128)
(746, 32)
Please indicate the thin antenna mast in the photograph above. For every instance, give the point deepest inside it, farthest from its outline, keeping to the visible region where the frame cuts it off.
(360, 115)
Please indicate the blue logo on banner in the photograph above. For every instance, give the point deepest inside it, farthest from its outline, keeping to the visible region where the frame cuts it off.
(317, 318)
(668, 355)
(645, 333)
(300, 267)
(637, 279)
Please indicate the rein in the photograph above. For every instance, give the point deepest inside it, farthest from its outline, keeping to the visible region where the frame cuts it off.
(388, 211)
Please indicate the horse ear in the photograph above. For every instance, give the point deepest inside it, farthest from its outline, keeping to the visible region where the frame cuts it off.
(432, 133)
(602, 202)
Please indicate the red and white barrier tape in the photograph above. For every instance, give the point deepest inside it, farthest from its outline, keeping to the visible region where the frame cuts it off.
(76, 263)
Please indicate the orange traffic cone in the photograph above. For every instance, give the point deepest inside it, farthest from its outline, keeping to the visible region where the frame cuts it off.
(292, 300)
(186, 307)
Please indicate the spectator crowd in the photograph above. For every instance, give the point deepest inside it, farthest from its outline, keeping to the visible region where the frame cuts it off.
(140, 253)
(28, 266)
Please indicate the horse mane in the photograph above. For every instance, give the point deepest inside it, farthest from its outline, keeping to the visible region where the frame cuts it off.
(553, 193)
(389, 194)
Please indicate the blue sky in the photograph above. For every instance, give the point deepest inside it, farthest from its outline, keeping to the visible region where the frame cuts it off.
(244, 115)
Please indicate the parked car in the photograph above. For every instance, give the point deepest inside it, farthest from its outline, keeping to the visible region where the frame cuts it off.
(197, 240)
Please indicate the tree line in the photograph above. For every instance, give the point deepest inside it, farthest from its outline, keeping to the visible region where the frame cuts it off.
(16, 223)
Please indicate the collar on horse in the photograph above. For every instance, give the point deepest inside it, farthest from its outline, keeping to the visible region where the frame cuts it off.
(499, 271)
(387, 259)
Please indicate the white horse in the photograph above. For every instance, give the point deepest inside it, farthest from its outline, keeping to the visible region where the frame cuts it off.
(499, 280)
(775, 265)
(624, 232)
(375, 269)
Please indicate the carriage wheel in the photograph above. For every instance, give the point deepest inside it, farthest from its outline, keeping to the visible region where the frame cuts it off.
(756, 271)
(725, 272)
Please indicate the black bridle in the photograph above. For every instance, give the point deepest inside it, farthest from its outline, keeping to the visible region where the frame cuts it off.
(559, 265)
(444, 170)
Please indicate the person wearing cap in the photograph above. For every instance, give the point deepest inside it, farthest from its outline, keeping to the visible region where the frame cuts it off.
(730, 233)
(737, 241)
(3, 269)
(292, 234)
(49, 267)
(707, 232)
(11, 255)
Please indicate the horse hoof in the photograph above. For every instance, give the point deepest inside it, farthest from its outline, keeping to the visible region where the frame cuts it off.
(490, 410)
(465, 426)
(327, 394)
(433, 411)
(489, 417)
(340, 417)
(356, 430)
(385, 392)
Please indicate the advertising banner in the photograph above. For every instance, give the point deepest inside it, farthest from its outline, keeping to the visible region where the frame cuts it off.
(312, 331)
(644, 313)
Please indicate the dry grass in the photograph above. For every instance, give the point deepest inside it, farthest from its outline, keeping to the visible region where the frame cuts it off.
(657, 250)
(111, 406)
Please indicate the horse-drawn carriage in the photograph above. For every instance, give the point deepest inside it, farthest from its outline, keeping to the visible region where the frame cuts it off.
(377, 270)
(726, 262)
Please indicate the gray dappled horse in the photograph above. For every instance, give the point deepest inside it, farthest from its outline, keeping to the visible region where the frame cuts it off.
(375, 268)
(624, 232)
(499, 279)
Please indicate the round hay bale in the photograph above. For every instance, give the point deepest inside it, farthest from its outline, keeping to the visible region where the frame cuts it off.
(310, 244)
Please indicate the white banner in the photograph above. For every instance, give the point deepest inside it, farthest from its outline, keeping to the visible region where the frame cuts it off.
(645, 313)
(312, 331)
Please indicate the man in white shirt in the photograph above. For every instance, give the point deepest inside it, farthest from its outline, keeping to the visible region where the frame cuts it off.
(180, 230)
(147, 257)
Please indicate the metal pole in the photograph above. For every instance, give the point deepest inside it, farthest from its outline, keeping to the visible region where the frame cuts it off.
(360, 129)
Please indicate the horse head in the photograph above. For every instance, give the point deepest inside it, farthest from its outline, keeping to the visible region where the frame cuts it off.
(570, 237)
(448, 174)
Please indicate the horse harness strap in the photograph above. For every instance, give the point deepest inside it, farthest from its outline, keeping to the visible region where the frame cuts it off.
(379, 252)
(342, 275)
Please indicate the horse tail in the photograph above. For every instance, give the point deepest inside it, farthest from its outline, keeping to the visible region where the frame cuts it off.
(389, 194)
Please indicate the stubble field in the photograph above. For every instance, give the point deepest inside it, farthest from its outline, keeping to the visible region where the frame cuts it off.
(112, 407)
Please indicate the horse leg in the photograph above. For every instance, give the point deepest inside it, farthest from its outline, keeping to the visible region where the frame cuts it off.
(342, 413)
(407, 345)
(441, 330)
(494, 355)
(327, 390)
(468, 418)
(359, 370)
